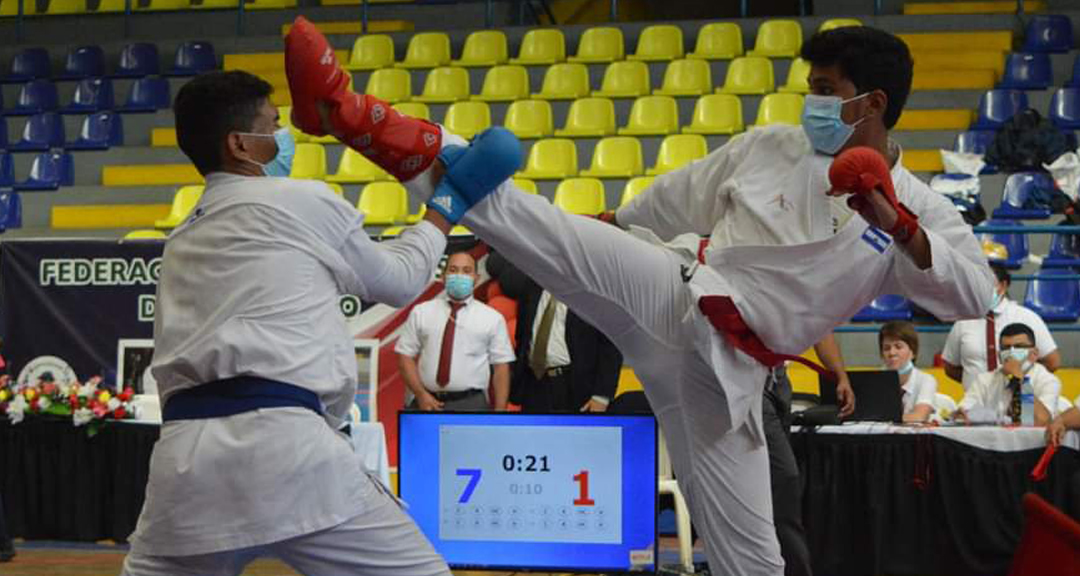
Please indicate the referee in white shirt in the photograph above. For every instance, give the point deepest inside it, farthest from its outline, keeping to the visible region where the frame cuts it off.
(255, 364)
(453, 347)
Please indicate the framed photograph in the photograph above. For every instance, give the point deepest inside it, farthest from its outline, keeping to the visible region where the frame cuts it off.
(367, 388)
(133, 357)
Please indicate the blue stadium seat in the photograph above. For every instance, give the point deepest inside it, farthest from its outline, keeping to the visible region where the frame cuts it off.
(3, 134)
(1018, 189)
(83, 62)
(91, 95)
(193, 58)
(138, 60)
(147, 95)
(49, 171)
(99, 132)
(1048, 33)
(1074, 82)
(976, 142)
(1054, 300)
(1015, 244)
(997, 106)
(1065, 108)
(30, 64)
(885, 308)
(42, 131)
(1064, 253)
(10, 211)
(7, 170)
(35, 97)
(1027, 71)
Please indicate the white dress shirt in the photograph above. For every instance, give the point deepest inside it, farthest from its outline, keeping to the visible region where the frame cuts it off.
(966, 344)
(558, 353)
(480, 340)
(991, 390)
(921, 388)
(250, 284)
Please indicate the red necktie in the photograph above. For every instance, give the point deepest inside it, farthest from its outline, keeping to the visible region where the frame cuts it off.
(991, 343)
(442, 376)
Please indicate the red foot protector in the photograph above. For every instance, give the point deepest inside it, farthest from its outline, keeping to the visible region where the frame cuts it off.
(863, 170)
(401, 145)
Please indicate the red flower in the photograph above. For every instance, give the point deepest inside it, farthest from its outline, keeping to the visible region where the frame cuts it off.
(73, 400)
(49, 389)
(119, 413)
(126, 394)
(34, 405)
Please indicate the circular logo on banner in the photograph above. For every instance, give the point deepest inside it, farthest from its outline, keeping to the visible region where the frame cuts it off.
(47, 369)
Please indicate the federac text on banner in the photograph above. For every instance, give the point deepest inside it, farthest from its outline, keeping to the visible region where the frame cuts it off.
(99, 271)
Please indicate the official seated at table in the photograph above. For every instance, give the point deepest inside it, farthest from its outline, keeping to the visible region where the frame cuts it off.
(453, 347)
(996, 397)
(899, 345)
(1067, 420)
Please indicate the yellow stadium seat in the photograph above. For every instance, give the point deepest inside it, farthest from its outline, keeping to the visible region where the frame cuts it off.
(66, 7)
(446, 84)
(162, 5)
(484, 48)
(690, 77)
(652, 116)
(659, 42)
(748, 75)
(145, 235)
(285, 120)
(354, 167)
(414, 109)
(336, 189)
(525, 185)
(215, 4)
(716, 114)
(183, 203)
(581, 196)
(309, 162)
(427, 50)
(504, 84)
(414, 218)
(103, 6)
(551, 159)
(633, 187)
(780, 109)
(269, 4)
(564, 82)
(778, 39)
(383, 203)
(529, 119)
(371, 52)
(390, 84)
(589, 117)
(797, 78)
(677, 151)
(467, 119)
(616, 157)
(625, 79)
(460, 230)
(391, 232)
(541, 46)
(835, 23)
(11, 7)
(600, 44)
(718, 41)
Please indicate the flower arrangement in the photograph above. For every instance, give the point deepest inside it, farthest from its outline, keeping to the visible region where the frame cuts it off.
(87, 403)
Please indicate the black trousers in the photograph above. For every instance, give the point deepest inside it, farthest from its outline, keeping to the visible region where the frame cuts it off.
(784, 473)
(5, 538)
(549, 394)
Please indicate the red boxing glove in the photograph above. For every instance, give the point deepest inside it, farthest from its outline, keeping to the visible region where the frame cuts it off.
(861, 171)
(401, 145)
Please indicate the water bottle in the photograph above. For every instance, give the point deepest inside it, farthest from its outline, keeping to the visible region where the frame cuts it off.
(1027, 403)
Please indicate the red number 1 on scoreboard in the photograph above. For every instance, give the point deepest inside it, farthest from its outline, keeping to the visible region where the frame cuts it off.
(582, 478)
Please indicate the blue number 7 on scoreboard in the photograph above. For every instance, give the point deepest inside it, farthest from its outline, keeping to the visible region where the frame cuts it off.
(474, 479)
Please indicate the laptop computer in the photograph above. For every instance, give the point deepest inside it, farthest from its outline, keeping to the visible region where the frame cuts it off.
(878, 396)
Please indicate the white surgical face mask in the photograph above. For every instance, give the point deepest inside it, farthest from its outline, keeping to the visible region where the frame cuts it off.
(823, 125)
(906, 368)
(1020, 355)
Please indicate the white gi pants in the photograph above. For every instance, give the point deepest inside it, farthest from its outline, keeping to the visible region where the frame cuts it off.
(633, 292)
(382, 541)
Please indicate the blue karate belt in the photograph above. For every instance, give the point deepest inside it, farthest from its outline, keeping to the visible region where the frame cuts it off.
(237, 395)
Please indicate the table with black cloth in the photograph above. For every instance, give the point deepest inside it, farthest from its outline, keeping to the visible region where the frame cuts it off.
(891, 500)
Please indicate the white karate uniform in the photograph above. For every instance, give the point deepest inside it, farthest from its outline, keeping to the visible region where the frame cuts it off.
(250, 284)
(990, 390)
(706, 394)
(921, 388)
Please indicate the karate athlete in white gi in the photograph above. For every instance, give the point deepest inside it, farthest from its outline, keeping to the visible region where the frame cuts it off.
(700, 335)
(256, 366)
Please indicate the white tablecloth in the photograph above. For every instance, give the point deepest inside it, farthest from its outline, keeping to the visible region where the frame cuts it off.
(986, 437)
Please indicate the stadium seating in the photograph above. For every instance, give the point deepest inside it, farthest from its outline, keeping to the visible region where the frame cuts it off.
(145, 235)
(780, 109)
(354, 168)
(7, 170)
(91, 95)
(689, 77)
(718, 41)
(616, 157)
(564, 81)
(1018, 188)
(11, 7)
(35, 97)
(445, 85)
(1074, 80)
(834, 23)
(797, 78)
(371, 52)
(884, 309)
(976, 142)
(997, 106)
(184, 201)
(10, 210)
(526, 185)
(390, 84)
(652, 116)
(467, 119)
(778, 39)
(589, 117)
(551, 159)
(29, 64)
(504, 84)
(1063, 252)
(138, 60)
(427, 50)
(309, 162)
(49, 171)
(625, 79)
(1027, 71)
(83, 62)
(3, 138)
(1054, 300)
(677, 151)
(99, 131)
(633, 187)
(383, 203)
(580, 196)
(530, 119)
(599, 45)
(1048, 33)
(484, 48)
(1065, 108)
(659, 43)
(716, 114)
(193, 58)
(414, 109)
(541, 46)
(148, 94)
(42, 132)
(1016, 245)
(748, 75)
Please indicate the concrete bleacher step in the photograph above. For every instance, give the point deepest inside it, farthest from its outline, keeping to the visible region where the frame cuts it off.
(943, 119)
(107, 215)
(163, 138)
(953, 79)
(1001, 40)
(262, 62)
(991, 7)
(917, 160)
(150, 175)
(359, 2)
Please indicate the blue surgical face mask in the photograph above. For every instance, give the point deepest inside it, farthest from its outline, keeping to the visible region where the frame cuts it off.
(281, 163)
(997, 300)
(822, 123)
(906, 368)
(459, 286)
(1018, 354)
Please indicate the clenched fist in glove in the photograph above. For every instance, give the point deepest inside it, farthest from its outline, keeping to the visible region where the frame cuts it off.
(863, 173)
